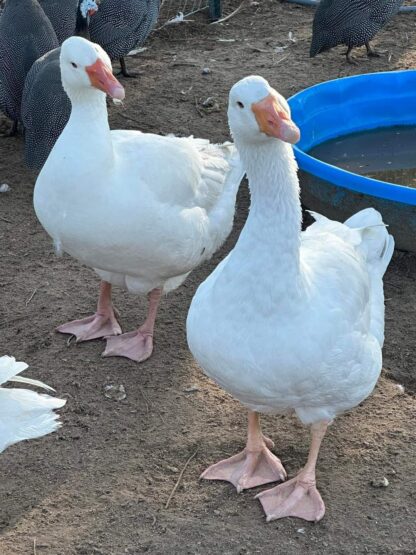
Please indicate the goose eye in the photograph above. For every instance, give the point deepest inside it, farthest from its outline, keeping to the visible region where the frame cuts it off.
(73, 64)
(240, 104)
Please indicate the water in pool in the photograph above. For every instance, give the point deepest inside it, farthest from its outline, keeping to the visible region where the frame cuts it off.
(386, 154)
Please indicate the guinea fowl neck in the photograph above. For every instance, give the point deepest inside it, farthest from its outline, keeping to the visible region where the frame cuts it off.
(82, 24)
(272, 231)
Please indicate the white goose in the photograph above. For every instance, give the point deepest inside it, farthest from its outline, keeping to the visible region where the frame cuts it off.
(141, 209)
(24, 414)
(289, 320)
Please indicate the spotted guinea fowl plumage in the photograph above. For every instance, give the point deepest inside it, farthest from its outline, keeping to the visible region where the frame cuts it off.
(45, 108)
(120, 26)
(62, 14)
(353, 23)
(25, 35)
(45, 105)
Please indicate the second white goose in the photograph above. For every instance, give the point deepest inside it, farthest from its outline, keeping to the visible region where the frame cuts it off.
(289, 321)
(141, 209)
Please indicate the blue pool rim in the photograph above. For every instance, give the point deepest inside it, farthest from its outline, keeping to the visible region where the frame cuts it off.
(355, 103)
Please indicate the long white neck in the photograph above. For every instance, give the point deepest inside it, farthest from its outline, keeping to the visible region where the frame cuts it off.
(88, 130)
(274, 223)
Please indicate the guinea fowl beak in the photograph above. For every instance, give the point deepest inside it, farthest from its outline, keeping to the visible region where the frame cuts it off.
(102, 78)
(274, 121)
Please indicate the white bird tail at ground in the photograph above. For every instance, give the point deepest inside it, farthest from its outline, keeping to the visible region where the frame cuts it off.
(24, 414)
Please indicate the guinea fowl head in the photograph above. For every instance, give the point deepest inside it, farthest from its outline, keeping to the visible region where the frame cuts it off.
(258, 113)
(88, 7)
(86, 66)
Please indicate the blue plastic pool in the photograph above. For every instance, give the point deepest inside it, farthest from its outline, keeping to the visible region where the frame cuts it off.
(341, 107)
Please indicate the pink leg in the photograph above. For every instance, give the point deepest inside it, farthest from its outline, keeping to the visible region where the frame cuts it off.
(136, 345)
(254, 466)
(101, 324)
(298, 497)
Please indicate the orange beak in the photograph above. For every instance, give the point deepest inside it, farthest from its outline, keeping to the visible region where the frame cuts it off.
(273, 120)
(102, 78)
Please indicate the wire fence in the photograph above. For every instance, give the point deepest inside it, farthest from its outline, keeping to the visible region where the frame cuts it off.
(175, 11)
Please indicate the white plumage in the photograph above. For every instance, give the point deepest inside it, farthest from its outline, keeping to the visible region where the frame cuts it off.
(290, 320)
(24, 414)
(141, 209)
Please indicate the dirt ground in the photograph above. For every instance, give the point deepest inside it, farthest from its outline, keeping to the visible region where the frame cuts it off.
(100, 485)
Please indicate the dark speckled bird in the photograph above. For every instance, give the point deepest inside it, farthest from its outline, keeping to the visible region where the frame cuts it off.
(62, 14)
(25, 35)
(350, 22)
(45, 105)
(119, 26)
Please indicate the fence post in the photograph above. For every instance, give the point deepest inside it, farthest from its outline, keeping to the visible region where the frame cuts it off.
(214, 9)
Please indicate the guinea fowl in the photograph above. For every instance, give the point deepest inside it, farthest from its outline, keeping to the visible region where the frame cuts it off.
(45, 105)
(120, 26)
(143, 210)
(62, 14)
(24, 414)
(353, 23)
(25, 35)
(290, 320)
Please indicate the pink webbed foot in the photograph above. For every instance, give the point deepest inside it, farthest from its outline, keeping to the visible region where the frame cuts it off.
(296, 497)
(248, 469)
(135, 345)
(93, 327)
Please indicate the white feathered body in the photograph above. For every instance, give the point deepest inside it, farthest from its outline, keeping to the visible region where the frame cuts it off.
(290, 320)
(24, 414)
(142, 209)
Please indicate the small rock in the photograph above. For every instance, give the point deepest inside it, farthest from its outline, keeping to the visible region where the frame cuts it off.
(137, 51)
(172, 468)
(4, 188)
(300, 530)
(380, 482)
(400, 388)
(191, 389)
(115, 392)
(206, 71)
(210, 104)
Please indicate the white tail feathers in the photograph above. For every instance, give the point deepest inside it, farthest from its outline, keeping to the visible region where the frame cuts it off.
(377, 244)
(24, 414)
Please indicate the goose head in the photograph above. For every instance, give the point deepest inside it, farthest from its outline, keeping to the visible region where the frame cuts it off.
(257, 113)
(86, 67)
